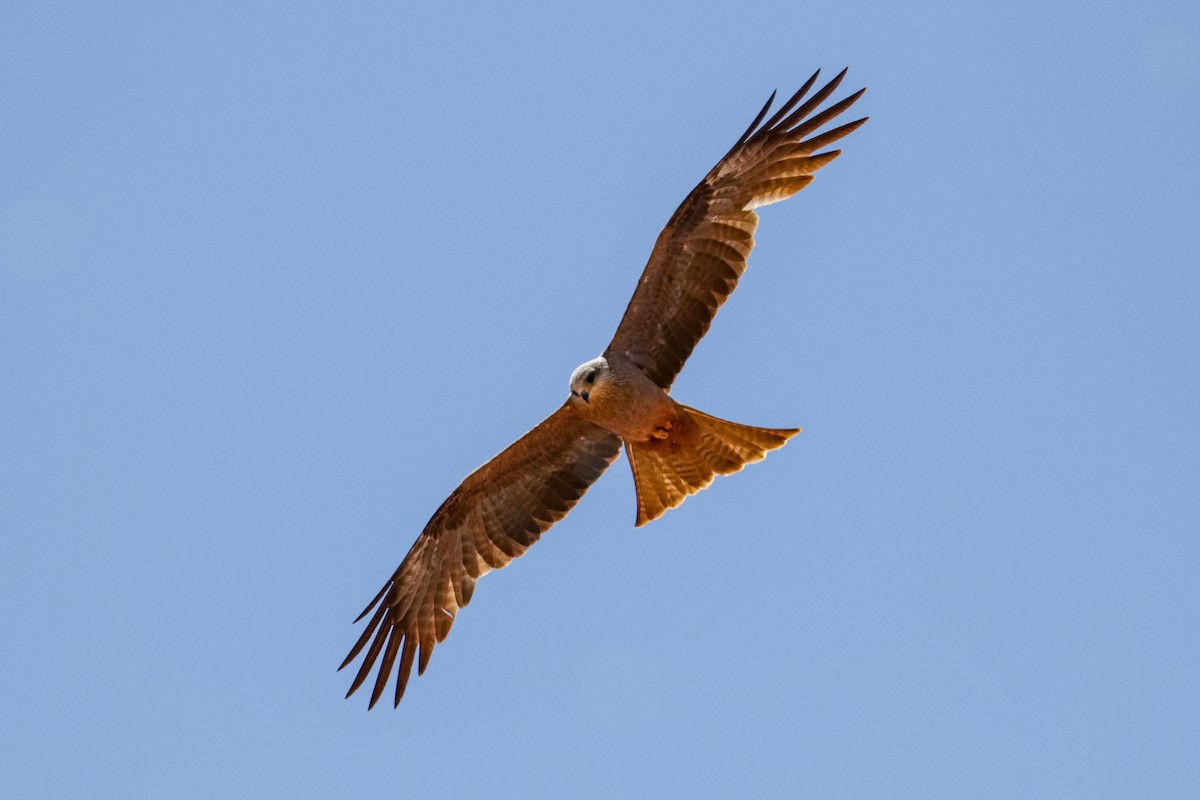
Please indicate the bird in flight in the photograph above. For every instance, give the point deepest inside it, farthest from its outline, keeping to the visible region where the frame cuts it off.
(620, 398)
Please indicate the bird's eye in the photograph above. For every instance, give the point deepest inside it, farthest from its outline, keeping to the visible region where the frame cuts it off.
(590, 379)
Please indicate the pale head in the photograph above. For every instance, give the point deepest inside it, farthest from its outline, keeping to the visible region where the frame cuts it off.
(587, 376)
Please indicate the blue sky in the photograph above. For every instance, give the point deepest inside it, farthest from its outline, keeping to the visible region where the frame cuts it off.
(273, 279)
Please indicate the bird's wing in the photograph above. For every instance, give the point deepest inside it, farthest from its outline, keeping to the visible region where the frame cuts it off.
(702, 251)
(491, 518)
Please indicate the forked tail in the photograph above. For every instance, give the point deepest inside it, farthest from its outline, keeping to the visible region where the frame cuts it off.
(696, 448)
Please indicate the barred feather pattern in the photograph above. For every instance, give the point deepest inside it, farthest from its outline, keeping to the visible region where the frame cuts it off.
(701, 253)
(493, 517)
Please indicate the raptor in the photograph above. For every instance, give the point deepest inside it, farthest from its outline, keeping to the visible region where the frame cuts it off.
(619, 399)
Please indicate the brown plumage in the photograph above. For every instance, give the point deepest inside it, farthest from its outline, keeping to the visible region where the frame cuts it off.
(702, 251)
(667, 471)
(491, 518)
(621, 397)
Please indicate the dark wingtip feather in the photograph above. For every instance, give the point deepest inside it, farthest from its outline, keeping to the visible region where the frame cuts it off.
(791, 103)
(423, 660)
(364, 636)
(815, 122)
(406, 662)
(762, 113)
(852, 126)
(813, 102)
(371, 605)
(368, 661)
(385, 666)
(831, 136)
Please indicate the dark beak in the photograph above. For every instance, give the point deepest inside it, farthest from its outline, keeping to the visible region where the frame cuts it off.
(584, 395)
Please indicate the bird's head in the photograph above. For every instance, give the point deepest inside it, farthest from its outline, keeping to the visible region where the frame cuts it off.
(587, 377)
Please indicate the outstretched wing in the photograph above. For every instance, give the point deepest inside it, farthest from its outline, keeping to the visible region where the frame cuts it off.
(491, 518)
(702, 251)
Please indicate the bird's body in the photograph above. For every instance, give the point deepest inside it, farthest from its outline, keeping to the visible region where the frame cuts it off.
(621, 398)
(674, 450)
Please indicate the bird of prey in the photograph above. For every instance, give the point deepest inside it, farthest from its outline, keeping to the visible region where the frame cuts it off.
(620, 398)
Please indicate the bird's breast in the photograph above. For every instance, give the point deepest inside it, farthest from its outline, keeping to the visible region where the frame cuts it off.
(632, 411)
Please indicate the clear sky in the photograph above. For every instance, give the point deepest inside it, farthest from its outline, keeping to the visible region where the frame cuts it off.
(273, 279)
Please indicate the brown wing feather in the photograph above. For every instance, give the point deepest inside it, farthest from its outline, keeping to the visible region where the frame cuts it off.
(491, 518)
(702, 251)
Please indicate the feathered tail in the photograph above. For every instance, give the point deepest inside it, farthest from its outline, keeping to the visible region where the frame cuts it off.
(697, 448)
